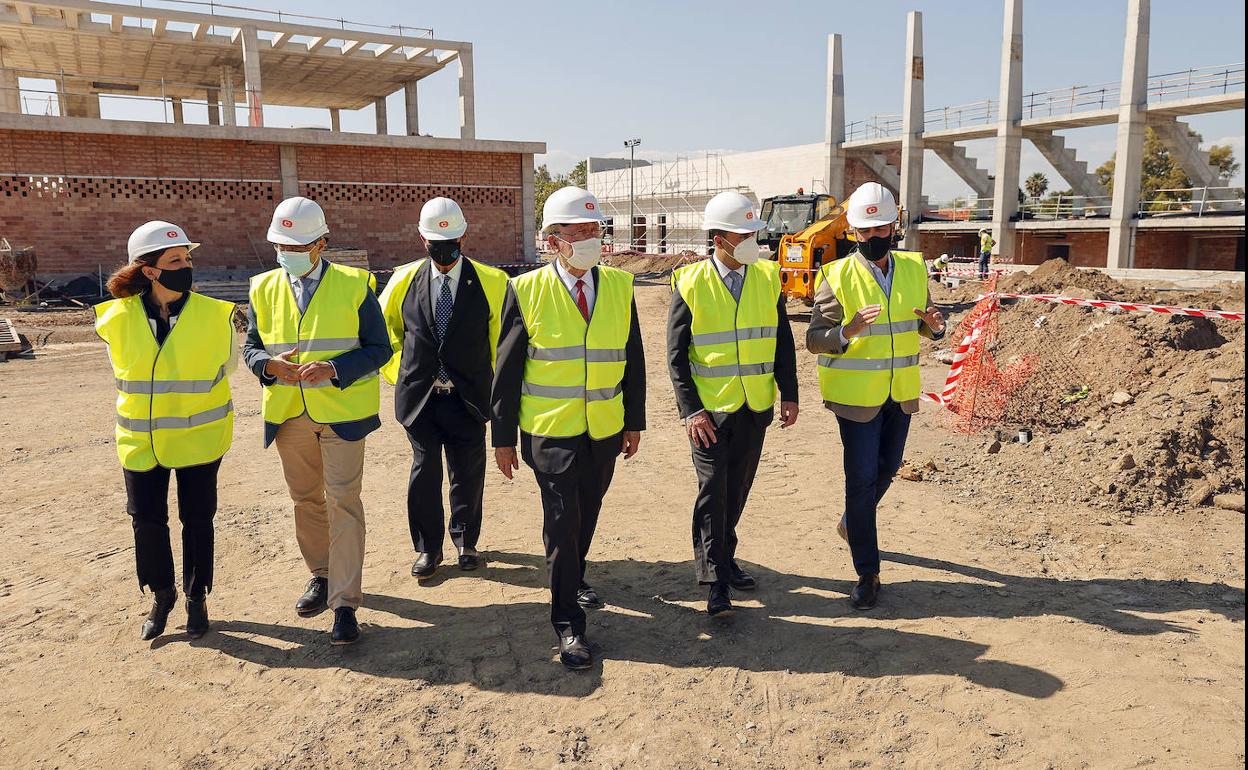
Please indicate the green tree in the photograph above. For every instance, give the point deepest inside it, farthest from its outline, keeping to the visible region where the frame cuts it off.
(579, 175)
(1036, 184)
(543, 185)
(1164, 179)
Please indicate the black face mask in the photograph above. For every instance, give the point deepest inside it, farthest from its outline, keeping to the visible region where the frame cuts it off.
(444, 252)
(877, 248)
(176, 280)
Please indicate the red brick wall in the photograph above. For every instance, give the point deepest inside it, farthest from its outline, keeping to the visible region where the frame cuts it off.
(1087, 248)
(77, 197)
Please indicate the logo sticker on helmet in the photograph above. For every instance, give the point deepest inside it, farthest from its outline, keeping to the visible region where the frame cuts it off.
(589, 205)
(873, 209)
(287, 223)
(749, 215)
(444, 223)
(171, 234)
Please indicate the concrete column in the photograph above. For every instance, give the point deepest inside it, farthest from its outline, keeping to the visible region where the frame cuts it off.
(77, 100)
(379, 111)
(528, 208)
(1132, 119)
(213, 96)
(912, 130)
(335, 120)
(288, 165)
(834, 122)
(178, 116)
(467, 96)
(10, 96)
(228, 111)
(412, 108)
(1009, 132)
(251, 76)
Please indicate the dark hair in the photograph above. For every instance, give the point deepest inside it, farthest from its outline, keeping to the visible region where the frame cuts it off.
(717, 232)
(128, 280)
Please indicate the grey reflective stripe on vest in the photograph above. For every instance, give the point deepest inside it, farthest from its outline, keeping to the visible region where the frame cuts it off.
(732, 335)
(868, 364)
(576, 353)
(571, 391)
(889, 329)
(173, 423)
(733, 370)
(321, 345)
(148, 387)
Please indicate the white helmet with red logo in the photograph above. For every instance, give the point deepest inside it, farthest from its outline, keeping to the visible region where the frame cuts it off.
(154, 236)
(441, 219)
(297, 222)
(569, 206)
(871, 205)
(733, 212)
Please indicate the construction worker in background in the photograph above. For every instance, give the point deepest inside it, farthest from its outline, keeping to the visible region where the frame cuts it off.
(869, 365)
(939, 266)
(316, 338)
(985, 251)
(172, 352)
(571, 377)
(442, 315)
(729, 346)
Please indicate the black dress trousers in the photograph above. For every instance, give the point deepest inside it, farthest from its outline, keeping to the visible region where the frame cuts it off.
(444, 423)
(147, 503)
(726, 472)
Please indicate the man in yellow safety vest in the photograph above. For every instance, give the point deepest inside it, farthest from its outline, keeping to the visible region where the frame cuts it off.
(869, 365)
(571, 378)
(729, 347)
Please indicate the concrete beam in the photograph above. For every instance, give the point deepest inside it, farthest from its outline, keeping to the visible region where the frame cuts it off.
(335, 120)
(1132, 119)
(966, 167)
(379, 113)
(1185, 149)
(213, 97)
(158, 27)
(10, 96)
(879, 167)
(912, 130)
(317, 43)
(199, 31)
(467, 96)
(279, 40)
(70, 18)
(1009, 132)
(288, 165)
(228, 111)
(251, 77)
(178, 115)
(1064, 160)
(528, 208)
(411, 106)
(834, 122)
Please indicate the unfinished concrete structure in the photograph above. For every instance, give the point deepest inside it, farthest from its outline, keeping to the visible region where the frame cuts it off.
(74, 184)
(1202, 228)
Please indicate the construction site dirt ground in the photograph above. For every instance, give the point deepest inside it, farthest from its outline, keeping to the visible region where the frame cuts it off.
(1015, 630)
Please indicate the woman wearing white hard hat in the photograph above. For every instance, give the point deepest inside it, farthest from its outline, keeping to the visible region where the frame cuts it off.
(870, 309)
(172, 351)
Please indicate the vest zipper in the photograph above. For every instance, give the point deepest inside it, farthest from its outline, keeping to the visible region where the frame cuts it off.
(736, 333)
(151, 397)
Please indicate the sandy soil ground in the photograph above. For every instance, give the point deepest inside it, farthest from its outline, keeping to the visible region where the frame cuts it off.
(1019, 634)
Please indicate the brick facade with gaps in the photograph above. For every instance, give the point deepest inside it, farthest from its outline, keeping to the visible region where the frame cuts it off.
(77, 197)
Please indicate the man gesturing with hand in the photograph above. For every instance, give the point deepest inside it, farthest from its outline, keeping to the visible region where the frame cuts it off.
(869, 365)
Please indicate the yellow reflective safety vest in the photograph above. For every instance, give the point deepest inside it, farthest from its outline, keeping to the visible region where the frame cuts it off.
(732, 353)
(493, 283)
(329, 328)
(173, 399)
(986, 242)
(574, 372)
(883, 362)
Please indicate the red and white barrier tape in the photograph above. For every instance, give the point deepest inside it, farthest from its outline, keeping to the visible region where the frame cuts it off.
(1136, 307)
(945, 397)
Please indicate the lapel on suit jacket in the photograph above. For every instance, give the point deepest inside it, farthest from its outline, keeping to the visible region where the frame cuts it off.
(464, 293)
(421, 286)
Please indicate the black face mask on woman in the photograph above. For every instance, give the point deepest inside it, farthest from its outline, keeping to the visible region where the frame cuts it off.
(444, 252)
(878, 247)
(176, 280)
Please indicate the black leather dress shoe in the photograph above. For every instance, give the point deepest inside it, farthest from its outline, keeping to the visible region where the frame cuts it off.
(469, 559)
(315, 599)
(162, 605)
(719, 603)
(588, 599)
(742, 580)
(426, 564)
(574, 653)
(196, 617)
(346, 630)
(866, 593)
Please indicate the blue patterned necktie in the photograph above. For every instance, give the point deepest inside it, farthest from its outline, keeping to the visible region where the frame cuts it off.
(734, 285)
(442, 319)
(305, 294)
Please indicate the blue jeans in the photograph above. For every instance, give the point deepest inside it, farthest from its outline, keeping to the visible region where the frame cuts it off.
(873, 453)
(984, 256)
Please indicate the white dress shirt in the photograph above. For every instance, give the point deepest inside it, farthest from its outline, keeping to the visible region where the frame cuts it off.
(570, 280)
(436, 277)
(724, 270)
(311, 281)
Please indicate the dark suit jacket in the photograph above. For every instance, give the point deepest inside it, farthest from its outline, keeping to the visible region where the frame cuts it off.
(553, 455)
(679, 334)
(465, 350)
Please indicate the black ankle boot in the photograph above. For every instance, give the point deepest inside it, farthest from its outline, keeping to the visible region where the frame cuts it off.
(162, 604)
(196, 617)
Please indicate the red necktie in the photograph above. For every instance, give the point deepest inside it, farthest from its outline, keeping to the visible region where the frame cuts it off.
(580, 299)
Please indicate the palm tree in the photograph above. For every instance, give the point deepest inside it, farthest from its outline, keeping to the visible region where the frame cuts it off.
(1036, 184)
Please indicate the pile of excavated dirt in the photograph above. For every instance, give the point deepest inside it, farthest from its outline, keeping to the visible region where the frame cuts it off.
(641, 264)
(1132, 411)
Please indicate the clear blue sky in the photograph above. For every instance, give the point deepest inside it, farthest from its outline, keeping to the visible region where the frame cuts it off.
(731, 75)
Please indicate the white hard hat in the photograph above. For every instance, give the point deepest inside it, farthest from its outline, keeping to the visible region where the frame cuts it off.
(871, 205)
(733, 212)
(944, 256)
(441, 219)
(297, 222)
(154, 236)
(569, 206)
